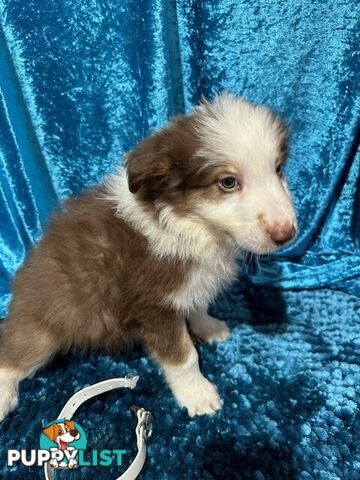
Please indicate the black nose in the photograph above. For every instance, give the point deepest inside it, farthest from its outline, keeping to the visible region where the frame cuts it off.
(282, 234)
(74, 433)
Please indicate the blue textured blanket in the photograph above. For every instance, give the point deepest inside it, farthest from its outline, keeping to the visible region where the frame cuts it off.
(289, 376)
(80, 83)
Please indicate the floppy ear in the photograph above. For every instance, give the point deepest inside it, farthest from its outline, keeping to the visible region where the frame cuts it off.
(51, 432)
(148, 165)
(71, 424)
(159, 162)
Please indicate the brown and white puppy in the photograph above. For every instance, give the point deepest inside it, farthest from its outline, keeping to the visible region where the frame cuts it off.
(141, 257)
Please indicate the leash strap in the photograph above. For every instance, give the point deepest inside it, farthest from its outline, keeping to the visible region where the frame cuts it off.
(143, 428)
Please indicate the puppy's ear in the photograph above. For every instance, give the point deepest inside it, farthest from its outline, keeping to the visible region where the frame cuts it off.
(70, 424)
(148, 165)
(51, 432)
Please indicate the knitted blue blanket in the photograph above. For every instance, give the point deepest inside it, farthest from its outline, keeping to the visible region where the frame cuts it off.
(289, 377)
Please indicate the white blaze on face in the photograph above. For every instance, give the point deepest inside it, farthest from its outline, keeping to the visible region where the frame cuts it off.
(260, 215)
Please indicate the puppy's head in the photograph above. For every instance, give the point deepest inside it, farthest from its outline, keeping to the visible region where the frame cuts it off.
(222, 165)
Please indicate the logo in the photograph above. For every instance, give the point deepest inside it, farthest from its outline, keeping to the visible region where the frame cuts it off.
(64, 439)
(63, 444)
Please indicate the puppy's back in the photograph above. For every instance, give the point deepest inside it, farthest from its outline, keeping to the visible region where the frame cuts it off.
(73, 283)
(91, 279)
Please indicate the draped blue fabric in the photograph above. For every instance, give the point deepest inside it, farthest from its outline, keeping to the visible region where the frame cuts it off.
(81, 82)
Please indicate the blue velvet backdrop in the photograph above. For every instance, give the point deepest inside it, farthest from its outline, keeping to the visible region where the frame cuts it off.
(82, 81)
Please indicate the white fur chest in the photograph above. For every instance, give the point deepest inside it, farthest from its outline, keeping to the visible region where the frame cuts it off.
(173, 237)
(203, 283)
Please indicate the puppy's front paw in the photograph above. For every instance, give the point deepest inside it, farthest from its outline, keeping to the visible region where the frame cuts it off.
(200, 397)
(209, 329)
(218, 331)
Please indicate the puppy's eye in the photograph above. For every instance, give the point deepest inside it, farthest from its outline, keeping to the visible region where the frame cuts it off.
(279, 170)
(229, 184)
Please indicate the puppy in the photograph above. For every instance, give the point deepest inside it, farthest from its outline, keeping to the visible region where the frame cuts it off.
(142, 256)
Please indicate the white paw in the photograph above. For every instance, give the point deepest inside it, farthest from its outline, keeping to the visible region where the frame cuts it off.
(200, 397)
(210, 330)
(8, 393)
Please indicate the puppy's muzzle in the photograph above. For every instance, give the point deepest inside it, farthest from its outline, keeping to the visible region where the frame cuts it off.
(281, 234)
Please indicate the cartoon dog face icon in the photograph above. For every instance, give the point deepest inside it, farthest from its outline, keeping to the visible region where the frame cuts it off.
(62, 433)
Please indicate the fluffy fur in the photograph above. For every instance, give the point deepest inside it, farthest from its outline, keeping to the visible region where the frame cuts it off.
(141, 257)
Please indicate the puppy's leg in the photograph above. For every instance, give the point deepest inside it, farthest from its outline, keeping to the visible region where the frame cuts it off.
(167, 338)
(207, 328)
(23, 350)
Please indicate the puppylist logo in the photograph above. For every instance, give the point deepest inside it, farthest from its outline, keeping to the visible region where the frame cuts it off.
(64, 440)
(63, 444)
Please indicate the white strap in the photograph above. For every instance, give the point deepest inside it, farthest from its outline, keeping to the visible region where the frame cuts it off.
(141, 428)
(141, 434)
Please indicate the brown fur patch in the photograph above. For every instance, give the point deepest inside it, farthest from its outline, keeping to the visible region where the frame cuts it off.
(162, 163)
(166, 166)
(91, 283)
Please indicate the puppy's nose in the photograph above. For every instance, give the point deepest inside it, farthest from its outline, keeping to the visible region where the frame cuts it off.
(280, 234)
(73, 433)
